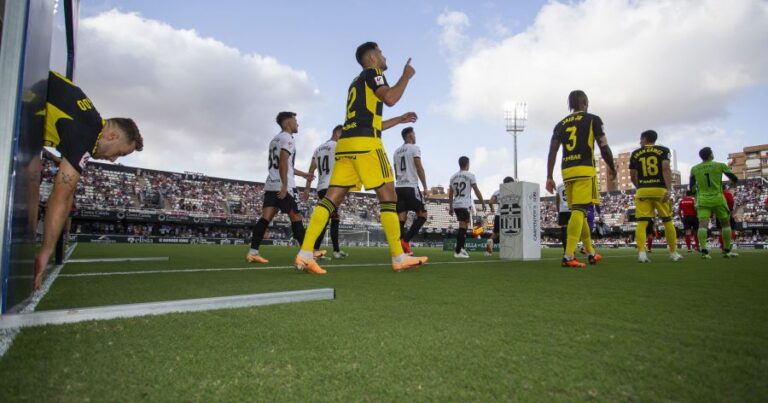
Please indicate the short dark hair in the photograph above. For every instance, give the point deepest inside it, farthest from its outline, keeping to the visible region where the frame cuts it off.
(705, 153)
(338, 127)
(405, 132)
(283, 116)
(132, 134)
(649, 136)
(363, 49)
(575, 98)
(463, 161)
(509, 179)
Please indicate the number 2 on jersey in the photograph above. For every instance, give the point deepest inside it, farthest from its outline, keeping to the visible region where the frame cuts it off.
(459, 188)
(351, 97)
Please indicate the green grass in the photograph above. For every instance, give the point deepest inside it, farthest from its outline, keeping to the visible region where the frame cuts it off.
(480, 330)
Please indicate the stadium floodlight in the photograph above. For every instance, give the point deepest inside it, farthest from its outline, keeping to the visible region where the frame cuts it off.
(515, 117)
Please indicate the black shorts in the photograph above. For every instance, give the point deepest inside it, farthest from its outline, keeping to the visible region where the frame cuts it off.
(320, 195)
(690, 222)
(563, 217)
(462, 214)
(409, 199)
(496, 225)
(286, 205)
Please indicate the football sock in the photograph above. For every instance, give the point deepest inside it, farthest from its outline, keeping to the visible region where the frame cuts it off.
(258, 233)
(415, 228)
(649, 242)
(391, 222)
(564, 236)
(726, 233)
(670, 233)
(317, 223)
(575, 223)
(720, 239)
(402, 229)
(688, 241)
(586, 237)
(642, 225)
(703, 237)
(461, 238)
(297, 228)
(696, 240)
(335, 234)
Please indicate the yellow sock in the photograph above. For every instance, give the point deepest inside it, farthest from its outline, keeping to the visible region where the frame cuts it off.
(391, 224)
(640, 237)
(586, 237)
(578, 218)
(671, 235)
(317, 223)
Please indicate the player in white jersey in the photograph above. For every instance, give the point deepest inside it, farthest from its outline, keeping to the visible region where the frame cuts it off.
(494, 239)
(323, 160)
(279, 188)
(408, 173)
(460, 201)
(563, 212)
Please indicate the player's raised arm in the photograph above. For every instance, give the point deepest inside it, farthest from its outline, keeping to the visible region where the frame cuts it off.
(408, 117)
(391, 95)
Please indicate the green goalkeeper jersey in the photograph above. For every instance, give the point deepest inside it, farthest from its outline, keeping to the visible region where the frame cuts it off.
(707, 177)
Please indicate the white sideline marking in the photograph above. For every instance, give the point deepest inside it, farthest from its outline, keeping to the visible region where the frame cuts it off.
(7, 335)
(330, 266)
(121, 259)
(16, 321)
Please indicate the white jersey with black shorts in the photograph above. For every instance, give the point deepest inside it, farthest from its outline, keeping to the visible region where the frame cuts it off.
(461, 183)
(409, 197)
(282, 141)
(564, 213)
(325, 157)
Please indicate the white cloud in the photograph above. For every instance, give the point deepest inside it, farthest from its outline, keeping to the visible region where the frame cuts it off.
(201, 105)
(453, 38)
(648, 64)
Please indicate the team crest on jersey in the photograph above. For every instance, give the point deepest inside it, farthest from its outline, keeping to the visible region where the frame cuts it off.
(84, 160)
(379, 80)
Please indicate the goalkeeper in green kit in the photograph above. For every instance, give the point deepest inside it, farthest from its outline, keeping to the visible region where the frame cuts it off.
(706, 181)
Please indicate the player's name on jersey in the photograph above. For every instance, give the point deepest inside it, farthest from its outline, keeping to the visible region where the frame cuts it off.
(649, 150)
(650, 181)
(573, 118)
(349, 126)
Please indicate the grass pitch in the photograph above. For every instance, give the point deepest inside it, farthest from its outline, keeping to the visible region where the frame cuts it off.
(454, 330)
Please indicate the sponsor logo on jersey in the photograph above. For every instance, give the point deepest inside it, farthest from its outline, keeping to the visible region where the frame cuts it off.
(379, 80)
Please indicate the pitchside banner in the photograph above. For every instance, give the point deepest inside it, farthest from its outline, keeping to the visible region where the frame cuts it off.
(519, 221)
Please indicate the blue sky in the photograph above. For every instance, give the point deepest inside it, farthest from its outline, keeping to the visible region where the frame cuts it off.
(689, 69)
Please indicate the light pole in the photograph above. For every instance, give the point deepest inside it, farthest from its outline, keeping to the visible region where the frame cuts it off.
(515, 118)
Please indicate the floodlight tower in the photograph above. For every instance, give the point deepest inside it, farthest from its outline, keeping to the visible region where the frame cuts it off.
(515, 117)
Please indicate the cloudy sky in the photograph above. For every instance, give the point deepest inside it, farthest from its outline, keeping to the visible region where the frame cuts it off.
(205, 79)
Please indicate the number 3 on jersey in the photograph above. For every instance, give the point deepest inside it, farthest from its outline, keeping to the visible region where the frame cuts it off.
(351, 97)
(571, 138)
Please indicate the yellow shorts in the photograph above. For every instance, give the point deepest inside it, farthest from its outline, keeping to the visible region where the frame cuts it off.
(645, 207)
(361, 161)
(582, 191)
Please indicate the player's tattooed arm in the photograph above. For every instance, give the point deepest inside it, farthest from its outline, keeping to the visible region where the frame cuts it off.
(605, 151)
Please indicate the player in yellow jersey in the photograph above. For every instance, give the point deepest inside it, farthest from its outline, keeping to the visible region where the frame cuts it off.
(577, 133)
(652, 176)
(75, 128)
(360, 156)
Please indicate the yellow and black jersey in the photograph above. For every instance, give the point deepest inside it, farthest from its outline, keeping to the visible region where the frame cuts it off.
(72, 123)
(647, 162)
(577, 133)
(363, 115)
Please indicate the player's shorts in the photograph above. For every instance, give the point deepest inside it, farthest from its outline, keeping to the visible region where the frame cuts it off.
(462, 214)
(732, 221)
(719, 210)
(563, 217)
(496, 224)
(582, 191)
(409, 199)
(286, 205)
(361, 161)
(649, 207)
(320, 195)
(690, 222)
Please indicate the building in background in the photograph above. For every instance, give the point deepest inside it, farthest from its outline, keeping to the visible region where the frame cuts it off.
(751, 162)
(623, 180)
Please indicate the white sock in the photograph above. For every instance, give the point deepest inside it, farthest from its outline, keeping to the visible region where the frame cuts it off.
(398, 259)
(305, 254)
(254, 252)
